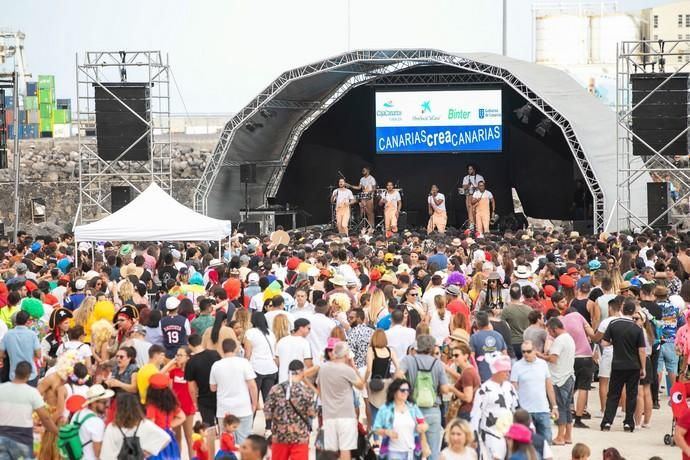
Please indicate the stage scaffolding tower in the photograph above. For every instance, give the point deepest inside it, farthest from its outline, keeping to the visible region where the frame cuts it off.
(670, 57)
(97, 175)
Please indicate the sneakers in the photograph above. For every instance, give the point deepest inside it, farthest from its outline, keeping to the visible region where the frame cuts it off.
(578, 424)
(606, 427)
(628, 429)
(656, 406)
(586, 416)
(598, 414)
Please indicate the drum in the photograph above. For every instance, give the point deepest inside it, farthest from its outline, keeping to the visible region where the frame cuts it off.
(364, 196)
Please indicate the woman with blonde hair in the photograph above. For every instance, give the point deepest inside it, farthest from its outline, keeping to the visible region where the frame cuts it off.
(476, 286)
(340, 304)
(281, 327)
(125, 294)
(439, 320)
(244, 317)
(83, 316)
(102, 340)
(377, 307)
(459, 438)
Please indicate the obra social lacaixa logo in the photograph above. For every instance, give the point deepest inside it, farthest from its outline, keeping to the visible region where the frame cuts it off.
(426, 107)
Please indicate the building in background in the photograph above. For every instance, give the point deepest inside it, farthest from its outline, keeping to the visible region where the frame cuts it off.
(668, 23)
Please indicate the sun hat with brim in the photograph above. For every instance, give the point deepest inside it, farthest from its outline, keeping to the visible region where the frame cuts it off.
(594, 265)
(38, 262)
(461, 335)
(96, 393)
(388, 277)
(215, 263)
(522, 272)
(453, 290)
(338, 280)
(520, 433)
(494, 276)
(500, 364)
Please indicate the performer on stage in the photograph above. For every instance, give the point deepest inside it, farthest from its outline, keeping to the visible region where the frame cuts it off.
(392, 203)
(367, 185)
(343, 199)
(469, 185)
(484, 207)
(437, 211)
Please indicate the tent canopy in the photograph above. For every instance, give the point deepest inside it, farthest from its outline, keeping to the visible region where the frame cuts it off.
(154, 216)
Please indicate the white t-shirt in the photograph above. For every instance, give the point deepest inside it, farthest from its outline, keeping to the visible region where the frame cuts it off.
(288, 349)
(405, 425)
(472, 181)
(343, 197)
(439, 328)
(151, 437)
(142, 348)
(608, 350)
(392, 197)
(257, 302)
(434, 206)
(232, 394)
(531, 380)
(401, 338)
(263, 351)
(367, 183)
(430, 295)
(90, 431)
(321, 327)
(83, 350)
(271, 315)
(307, 311)
(563, 368)
(3, 329)
(485, 194)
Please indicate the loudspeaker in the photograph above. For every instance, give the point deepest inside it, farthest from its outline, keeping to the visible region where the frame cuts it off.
(663, 115)
(248, 173)
(117, 128)
(250, 228)
(120, 196)
(584, 227)
(402, 220)
(658, 199)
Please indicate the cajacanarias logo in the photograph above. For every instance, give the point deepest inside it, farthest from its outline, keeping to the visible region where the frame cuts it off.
(388, 110)
(388, 104)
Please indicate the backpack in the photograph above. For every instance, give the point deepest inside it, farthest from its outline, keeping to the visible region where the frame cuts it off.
(131, 447)
(424, 388)
(69, 442)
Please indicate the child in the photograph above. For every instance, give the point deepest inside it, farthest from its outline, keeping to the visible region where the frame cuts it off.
(199, 441)
(580, 452)
(459, 437)
(227, 439)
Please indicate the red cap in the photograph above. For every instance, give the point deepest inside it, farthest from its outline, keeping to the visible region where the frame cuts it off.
(572, 271)
(30, 286)
(293, 263)
(159, 381)
(375, 274)
(549, 290)
(50, 299)
(567, 281)
(64, 278)
(232, 287)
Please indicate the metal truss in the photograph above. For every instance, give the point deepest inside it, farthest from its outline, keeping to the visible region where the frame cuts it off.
(426, 79)
(384, 62)
(96, 175)
(644, 57)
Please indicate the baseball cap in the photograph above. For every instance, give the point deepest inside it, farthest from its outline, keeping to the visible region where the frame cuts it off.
(172, 303)
(138, 329)
(453, 290)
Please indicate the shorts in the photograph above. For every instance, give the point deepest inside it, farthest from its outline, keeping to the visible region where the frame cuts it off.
(340, 434)
(668, 358)
(208, 413)
(605, 366)
(649, 372)
(584, 369)
(564, 396)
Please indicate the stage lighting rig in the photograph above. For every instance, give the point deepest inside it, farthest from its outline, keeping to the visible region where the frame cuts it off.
(523, 113)
(543, 127)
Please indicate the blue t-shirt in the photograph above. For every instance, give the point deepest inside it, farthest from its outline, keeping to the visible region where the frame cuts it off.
(20, 343)
(671, 320)
(73, 301)
(486, 343)
(439, 259)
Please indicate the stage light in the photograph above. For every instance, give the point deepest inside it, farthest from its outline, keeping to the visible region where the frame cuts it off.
(543, 127)
(523, 113)
(253, 125)
(267, 113)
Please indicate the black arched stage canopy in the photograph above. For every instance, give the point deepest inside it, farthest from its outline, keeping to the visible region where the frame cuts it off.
(315, 121)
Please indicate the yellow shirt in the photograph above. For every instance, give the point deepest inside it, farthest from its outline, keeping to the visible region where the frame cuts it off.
(143, 376)
(6, 315)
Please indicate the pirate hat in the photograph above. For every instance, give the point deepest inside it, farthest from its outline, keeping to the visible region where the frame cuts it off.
(58, 316)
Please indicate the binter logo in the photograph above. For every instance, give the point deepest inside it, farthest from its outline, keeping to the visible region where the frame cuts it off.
(426, 107)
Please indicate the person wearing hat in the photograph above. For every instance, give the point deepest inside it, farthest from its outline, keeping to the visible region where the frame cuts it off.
(493, 407)
(175, 328)
(455, 305)
(124, 319)
(291, 434)
(137, 340)
(75, 299)
(494, 295)
(339, 283)
(519, 439)
(522, 275)
(90, 420)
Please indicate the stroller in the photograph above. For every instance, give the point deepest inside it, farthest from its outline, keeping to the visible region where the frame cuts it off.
(679, 405)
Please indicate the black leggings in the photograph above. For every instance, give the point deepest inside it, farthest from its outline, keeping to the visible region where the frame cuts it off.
(264, 383)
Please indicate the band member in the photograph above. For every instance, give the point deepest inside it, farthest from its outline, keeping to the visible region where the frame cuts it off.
(484, 207)
(367, 185)
(437, 211)
(469, 185)
(392, 203)
(343, 199)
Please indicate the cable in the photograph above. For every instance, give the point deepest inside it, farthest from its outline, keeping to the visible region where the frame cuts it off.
(177, 88)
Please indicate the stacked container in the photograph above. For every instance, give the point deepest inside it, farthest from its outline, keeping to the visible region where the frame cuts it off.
(46, 104)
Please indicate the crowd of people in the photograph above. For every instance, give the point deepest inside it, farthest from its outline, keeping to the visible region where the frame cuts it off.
(402, 346)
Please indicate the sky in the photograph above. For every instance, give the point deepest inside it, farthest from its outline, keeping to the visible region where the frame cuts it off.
(223, 52)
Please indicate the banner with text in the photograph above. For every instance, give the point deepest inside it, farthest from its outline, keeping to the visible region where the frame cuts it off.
(438, 121)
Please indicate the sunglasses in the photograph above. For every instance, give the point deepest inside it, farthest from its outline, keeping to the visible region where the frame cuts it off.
(413, 294)
(404, 390)
(120, 356)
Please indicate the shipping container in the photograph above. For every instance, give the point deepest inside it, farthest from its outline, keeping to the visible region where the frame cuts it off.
(46, 96)
(46, 81)
(46, 124)
(62, 116)
(31, 88)
(30, 103)
(22, 116)
(46, 134)
(9, 101)
(64, 104)
(62, 130)
(9, 117)
(26, 131)
(46, 110)
(32, 116)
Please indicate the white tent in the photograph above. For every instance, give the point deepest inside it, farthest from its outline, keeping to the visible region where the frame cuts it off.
(154, 216)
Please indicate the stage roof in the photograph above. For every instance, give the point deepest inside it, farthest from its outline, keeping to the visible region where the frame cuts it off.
(298, 96)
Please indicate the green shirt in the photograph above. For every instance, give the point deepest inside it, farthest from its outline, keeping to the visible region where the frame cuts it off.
(201, 323)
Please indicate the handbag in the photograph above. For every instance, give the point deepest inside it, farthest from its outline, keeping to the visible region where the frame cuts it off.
(376, 384)
(453, 409)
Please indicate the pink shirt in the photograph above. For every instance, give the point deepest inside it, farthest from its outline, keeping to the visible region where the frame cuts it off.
(574, 324)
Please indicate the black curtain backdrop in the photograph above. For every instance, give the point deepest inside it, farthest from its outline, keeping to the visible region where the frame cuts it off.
(540, 168)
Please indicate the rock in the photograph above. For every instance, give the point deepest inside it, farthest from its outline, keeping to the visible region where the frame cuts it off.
(52, 176)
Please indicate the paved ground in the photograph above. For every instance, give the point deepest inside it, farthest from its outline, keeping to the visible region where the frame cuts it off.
(640, 445)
